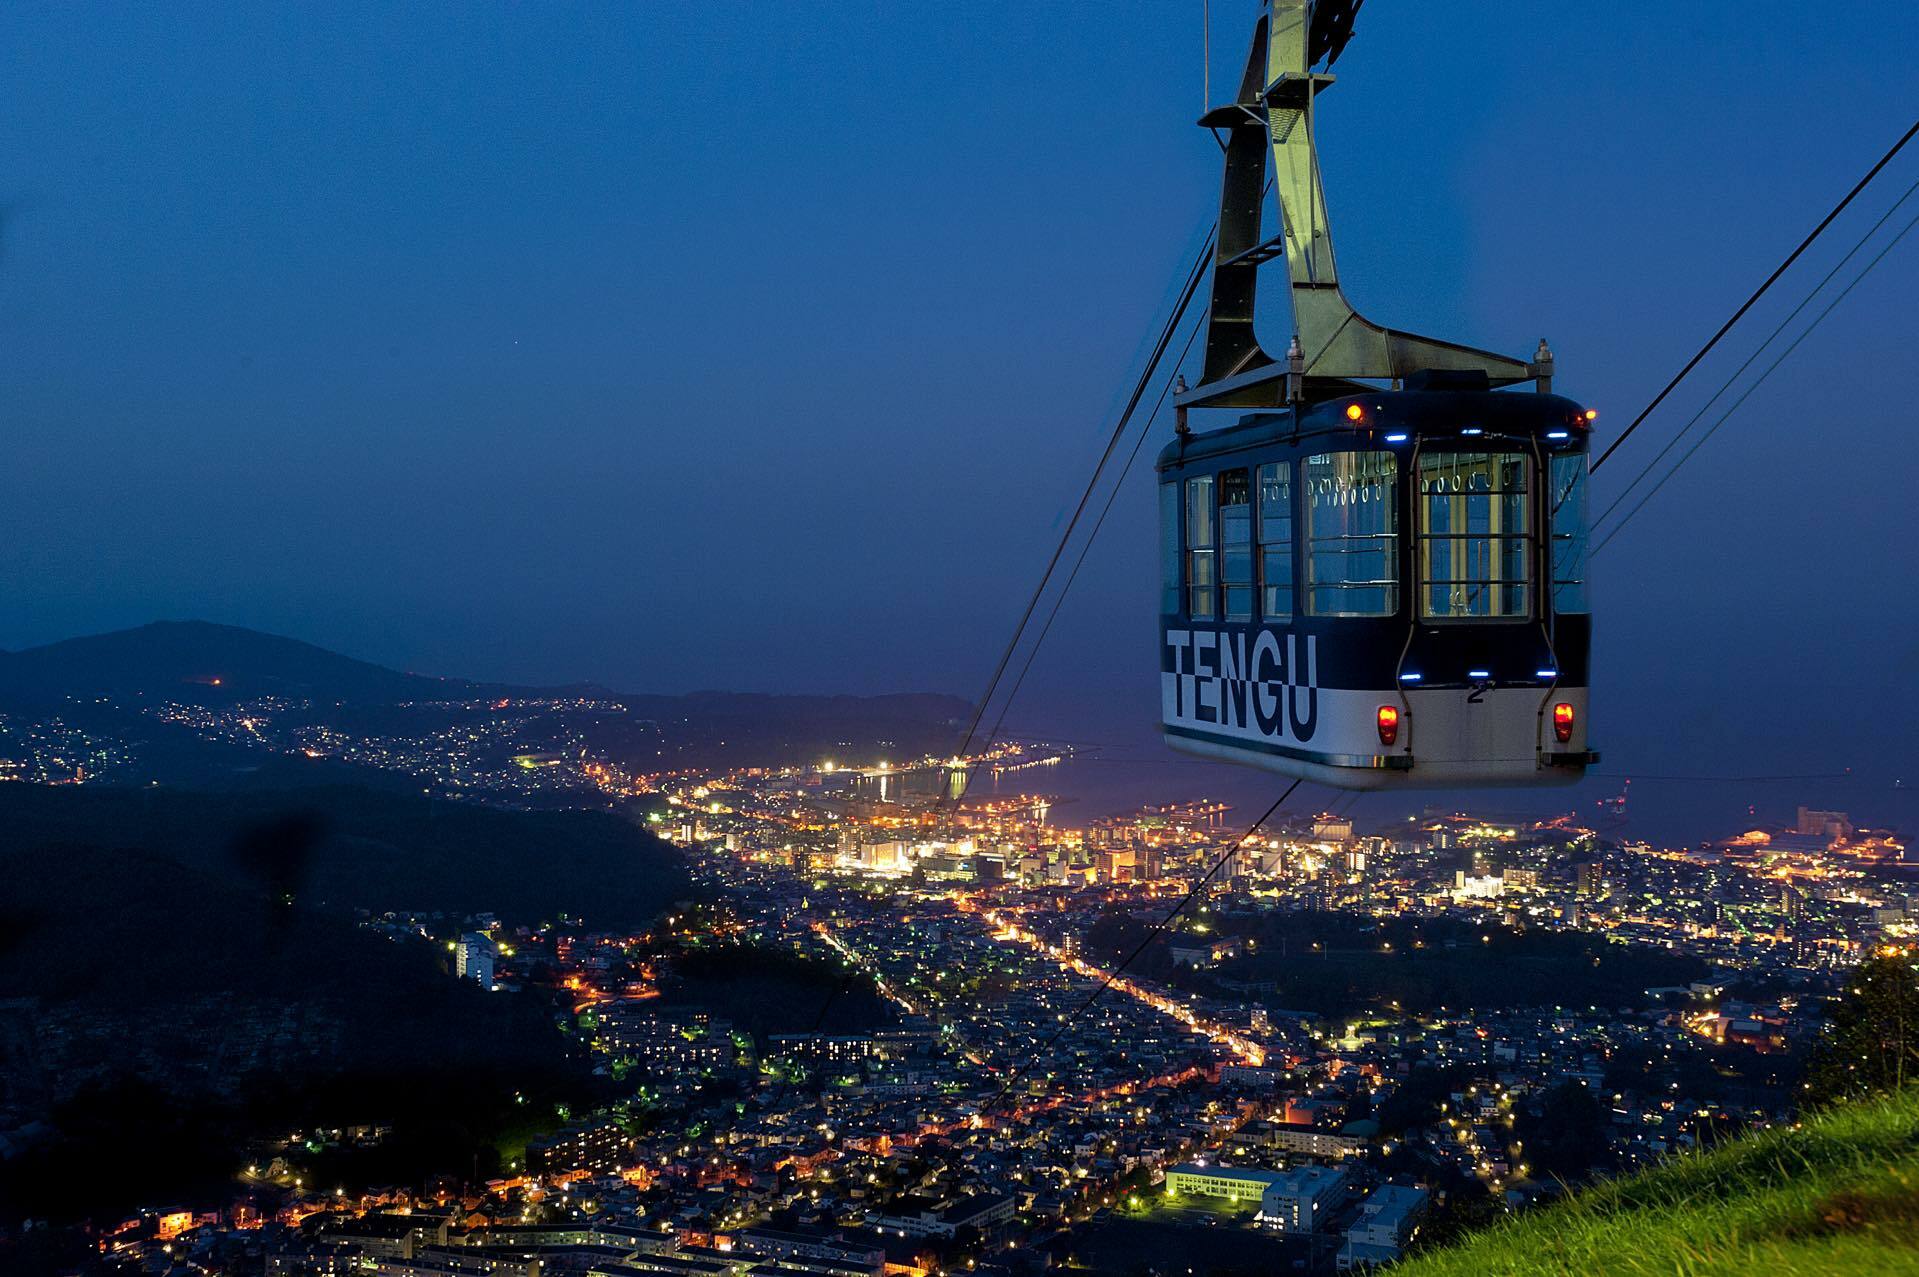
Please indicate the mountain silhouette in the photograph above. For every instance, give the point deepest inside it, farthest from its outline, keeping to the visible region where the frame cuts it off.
(202, 660)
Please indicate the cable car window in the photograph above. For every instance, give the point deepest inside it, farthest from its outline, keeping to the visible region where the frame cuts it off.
(1569, 533)
(1236, 543)
(1169, 547)
(1276, 540)
(1199, 547)
(1352, 534)
(1475, 548)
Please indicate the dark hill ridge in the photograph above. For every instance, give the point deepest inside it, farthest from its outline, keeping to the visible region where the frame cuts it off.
(114, 686)
(353, 847)
(161, 1017)
(131, 929)
(200, 660)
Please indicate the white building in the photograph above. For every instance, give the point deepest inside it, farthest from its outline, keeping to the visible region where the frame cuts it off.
(1387, 1221)
(884, 857)
(1299, 1199)
(1313, 1142)
(1231, 1182)
(473, 958)
(1478, 887)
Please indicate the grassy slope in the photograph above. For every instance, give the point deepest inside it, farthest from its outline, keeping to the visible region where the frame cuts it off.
(1840, 1195)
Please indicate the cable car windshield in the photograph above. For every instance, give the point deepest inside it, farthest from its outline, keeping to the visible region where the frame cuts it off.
(1475, 548)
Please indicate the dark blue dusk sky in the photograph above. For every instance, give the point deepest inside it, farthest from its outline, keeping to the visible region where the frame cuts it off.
(766, 347)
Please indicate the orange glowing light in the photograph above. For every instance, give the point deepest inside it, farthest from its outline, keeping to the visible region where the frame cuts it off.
(1592, 414)
(1354, 412)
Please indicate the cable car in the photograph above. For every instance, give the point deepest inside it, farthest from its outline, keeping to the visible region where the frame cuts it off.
(1374, 577)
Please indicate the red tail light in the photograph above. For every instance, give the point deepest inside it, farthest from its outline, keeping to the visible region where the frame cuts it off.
(1563, 722)
(1388, 724)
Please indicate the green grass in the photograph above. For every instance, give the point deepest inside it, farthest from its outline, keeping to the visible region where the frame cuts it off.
(1840, 1194)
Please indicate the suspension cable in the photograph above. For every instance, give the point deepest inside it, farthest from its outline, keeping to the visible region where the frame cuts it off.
(1139, 390)
(1726, 327)
(1086, 546)
(1687, 455)
(1758, 350)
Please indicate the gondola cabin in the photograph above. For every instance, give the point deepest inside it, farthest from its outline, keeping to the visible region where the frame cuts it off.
(1384, 590)
(1375, 578)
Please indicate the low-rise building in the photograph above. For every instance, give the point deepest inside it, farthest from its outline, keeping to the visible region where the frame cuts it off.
(597, 1147)
(1233, 1183)
(1301, 1199)
(812, 1247)
(1310, 1141)
(1387, 1221)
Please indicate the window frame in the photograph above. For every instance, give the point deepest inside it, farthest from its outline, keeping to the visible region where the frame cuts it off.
(1580, 535)
(1394, 538)
(1423, 540)
(1265, 546)
(1227, 583)
(1194, 552)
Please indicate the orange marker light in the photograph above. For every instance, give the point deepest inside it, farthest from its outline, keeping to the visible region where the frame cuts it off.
(1354, 412)
(1563, 722)
(1592, 414)
(1388, 724)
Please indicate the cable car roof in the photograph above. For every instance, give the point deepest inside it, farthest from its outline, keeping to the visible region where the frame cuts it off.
(1425, 413)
